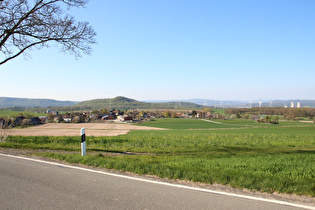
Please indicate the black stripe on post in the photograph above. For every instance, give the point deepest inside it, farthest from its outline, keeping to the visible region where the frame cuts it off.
(83, 138)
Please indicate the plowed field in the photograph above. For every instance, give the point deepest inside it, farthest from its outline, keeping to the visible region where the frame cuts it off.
(91, 129)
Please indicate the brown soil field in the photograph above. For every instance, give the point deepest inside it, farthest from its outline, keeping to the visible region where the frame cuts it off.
(73, 129)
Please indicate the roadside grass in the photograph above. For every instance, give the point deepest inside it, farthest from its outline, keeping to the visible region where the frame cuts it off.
(265, 173)
(68, 143)
(261, 158)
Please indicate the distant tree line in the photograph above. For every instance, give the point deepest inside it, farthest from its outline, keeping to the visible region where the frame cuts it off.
(287, 113)
(100, 106)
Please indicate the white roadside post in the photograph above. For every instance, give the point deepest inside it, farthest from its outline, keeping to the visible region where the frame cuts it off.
(83, 144)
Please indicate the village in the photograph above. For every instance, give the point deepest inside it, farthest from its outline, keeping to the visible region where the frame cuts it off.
(112, 116)
(127, 116)
(261, 115)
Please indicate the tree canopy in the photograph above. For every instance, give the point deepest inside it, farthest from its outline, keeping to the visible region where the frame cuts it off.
(25, 25)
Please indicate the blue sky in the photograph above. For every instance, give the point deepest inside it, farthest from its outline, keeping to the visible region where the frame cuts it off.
(179, 49)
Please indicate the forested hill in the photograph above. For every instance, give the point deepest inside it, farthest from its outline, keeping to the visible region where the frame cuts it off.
(127, 103)
(26, 102)
(96, 104)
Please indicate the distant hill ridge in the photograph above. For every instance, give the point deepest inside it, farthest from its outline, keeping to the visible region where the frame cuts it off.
(123, 99)
(252, 103)
(121, 102)
(27, 102)
(118, 102)
(118, 99)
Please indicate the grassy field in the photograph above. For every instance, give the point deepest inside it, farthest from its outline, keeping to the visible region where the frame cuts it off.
(239, 153)
(219, 111)
(183, 124)
(13, 113)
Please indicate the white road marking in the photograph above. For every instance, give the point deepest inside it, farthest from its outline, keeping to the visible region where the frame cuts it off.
(165, 183)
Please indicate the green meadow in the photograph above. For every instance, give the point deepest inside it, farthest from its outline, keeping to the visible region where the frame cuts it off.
(184, 124)
(238, 153)
(17, 113)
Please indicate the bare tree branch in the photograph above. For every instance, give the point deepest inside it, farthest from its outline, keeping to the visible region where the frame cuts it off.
(23, 27)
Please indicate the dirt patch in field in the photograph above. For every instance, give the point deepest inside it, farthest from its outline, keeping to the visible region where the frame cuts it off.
(73, 129)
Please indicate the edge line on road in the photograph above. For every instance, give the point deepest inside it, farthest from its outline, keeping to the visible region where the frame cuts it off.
(164, 183)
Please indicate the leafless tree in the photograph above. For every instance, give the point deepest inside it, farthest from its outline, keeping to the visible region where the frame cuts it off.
(25, 25)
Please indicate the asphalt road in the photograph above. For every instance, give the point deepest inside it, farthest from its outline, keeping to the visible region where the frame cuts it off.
(27, 184)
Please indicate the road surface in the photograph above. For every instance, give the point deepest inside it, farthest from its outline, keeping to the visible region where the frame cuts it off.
(28, 184)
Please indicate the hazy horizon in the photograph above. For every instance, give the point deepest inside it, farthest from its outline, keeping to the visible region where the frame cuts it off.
(172, 100)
